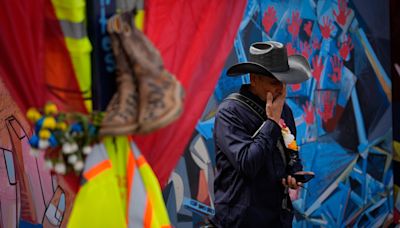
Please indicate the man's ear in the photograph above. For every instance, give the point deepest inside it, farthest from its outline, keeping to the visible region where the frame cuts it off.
(253, 79)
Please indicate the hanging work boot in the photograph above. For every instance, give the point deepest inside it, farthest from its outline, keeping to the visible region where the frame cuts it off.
(122, 112)
(160, 94)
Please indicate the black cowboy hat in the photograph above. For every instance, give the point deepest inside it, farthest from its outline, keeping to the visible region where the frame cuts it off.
(270, 59)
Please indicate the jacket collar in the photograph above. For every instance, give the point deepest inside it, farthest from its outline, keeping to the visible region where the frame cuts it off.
(245, 91)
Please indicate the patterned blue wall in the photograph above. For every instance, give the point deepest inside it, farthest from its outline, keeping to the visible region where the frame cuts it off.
(343, 114)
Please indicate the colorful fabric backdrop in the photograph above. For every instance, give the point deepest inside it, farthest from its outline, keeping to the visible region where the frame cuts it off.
(194, 47)
(35, 64)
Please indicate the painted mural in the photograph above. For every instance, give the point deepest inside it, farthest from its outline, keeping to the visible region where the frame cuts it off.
(343, 114)
(29, 193)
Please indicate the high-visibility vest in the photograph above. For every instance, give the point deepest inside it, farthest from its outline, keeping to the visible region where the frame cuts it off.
(119, 190)
(98, 202)
(71, 15)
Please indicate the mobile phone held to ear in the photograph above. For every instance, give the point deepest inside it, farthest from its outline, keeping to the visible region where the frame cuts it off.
(303, 178)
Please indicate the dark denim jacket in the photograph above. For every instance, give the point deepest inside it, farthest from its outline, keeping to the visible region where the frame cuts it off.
(248, 188)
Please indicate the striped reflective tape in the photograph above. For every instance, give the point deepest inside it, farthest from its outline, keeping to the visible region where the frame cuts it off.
(96, 162)
(137, 196)
(73, 30)
(155, 213)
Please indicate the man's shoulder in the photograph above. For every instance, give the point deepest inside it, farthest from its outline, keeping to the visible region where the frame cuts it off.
(229, 105)
(233, 108)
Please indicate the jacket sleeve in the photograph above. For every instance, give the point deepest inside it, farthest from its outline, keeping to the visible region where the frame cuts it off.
(246, 154)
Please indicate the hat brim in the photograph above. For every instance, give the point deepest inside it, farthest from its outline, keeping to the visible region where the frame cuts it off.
(299, 70)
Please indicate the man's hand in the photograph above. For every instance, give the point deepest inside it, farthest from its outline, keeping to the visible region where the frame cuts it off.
(291, 182)
(305, 173)
(273, 107)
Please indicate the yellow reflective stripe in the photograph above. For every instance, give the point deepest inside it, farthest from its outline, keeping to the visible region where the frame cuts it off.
(79, 50)
(71, 10)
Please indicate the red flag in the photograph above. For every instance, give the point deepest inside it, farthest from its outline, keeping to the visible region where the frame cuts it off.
(194, 38)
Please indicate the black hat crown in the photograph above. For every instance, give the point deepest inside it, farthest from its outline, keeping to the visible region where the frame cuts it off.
(271, 55)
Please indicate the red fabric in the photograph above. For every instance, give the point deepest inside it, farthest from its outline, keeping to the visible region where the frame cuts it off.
(21, 45)
(60, 78)
(34, 56)
(194, 38)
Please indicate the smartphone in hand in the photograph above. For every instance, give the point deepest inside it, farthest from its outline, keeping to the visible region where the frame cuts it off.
(303, 178)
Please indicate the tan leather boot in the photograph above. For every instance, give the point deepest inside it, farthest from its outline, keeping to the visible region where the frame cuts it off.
(160, 94)
(121, 117)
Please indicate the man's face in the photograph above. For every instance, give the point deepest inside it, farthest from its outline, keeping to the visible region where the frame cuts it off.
(268, 84)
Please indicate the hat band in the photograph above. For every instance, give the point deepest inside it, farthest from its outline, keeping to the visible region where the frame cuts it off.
(272, 63)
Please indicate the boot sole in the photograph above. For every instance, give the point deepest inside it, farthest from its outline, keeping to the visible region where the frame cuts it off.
(168, 118)
(118, 130)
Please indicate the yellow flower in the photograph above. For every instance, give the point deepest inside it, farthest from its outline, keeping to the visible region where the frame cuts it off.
(44, 134)
(33, 115)
(61, 126)
(50, 109)
(49, 123)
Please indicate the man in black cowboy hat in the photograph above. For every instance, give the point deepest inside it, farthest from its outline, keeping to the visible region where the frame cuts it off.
(255, 166)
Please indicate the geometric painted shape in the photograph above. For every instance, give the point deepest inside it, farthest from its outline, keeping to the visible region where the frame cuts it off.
(8, 157)
(205, 128)
(198, 207)
(328, 164)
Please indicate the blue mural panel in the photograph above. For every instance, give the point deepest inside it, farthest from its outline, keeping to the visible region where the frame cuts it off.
(343, 114)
